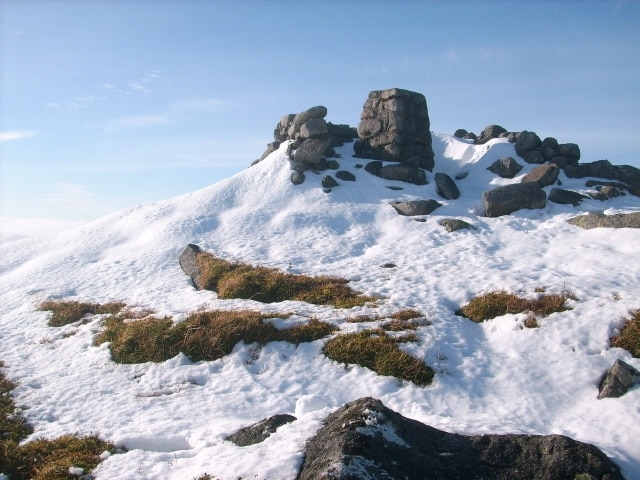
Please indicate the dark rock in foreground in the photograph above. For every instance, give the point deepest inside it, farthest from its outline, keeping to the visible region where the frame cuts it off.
(365, 439)
(260, 431)
(600, 220)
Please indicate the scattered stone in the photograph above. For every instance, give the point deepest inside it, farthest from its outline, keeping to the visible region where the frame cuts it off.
(506, 167)
(565, 197)
(600, 220)
(610, 191)
(455, 224)
(333, 165)
(260, 431)
(460, 133)
(388, 265)
(509, 198)
(395, 126)
(620, 377)
(446, 187)
(394, 187)
(365, 439)
(544, 175)
(346, 176)
(329, 182)
(416, 207)
(595, 183)
(297, 178)
(403, 173)
(189, 265)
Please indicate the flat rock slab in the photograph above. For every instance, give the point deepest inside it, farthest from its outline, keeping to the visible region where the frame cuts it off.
(416, 207)
(600, 220)
(365, 439)
(259, 432)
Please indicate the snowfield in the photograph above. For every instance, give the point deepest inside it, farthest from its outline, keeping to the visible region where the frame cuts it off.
(493, 377)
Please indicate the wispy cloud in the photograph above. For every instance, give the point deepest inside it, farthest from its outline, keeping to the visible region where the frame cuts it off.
(141, 84)
(203, 105)
(138, 121)
(16, 135)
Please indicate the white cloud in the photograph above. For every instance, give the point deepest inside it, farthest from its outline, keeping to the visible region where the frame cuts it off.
(16, 135)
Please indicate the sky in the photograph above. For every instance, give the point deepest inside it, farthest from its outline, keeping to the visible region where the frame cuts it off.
(109, 104)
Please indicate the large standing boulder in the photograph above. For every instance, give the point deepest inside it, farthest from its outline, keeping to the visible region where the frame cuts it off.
(510, 198)
(395, 126)
(365, 439)
(189, 264)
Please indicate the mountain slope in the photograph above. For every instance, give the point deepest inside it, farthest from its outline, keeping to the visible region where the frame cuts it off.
(493, 377)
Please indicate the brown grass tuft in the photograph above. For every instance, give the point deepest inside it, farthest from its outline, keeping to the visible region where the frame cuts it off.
(375, 350)
(202, 336)
(498, 303)
(267, 285)
(629, 337)
(66, 312)
(41, 459)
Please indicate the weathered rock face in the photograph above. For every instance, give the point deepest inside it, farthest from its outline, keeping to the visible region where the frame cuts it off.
(509, 198)
(365, 439)
(401, 172)
(260, 431)
(395, 126)
(620, 377)
(600, 220)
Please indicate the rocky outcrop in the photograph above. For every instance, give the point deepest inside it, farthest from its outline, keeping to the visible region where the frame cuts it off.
(259, 432)
(506, 167)
(395, 126)
(510, 198)
(416, 207)
(600, 220)
(627, 176)
(620, 377)
(489, 133)
(365, 439)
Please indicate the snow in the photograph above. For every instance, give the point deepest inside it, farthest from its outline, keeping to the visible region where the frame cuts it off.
(494, 377)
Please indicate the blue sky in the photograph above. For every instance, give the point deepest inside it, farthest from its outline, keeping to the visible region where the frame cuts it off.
(107, 104)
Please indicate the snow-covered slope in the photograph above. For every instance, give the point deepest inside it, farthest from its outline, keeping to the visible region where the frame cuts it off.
(493, 377)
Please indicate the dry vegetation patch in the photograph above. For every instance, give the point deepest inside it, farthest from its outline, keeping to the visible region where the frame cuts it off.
(629, 337)
(267, 285)
(201, 336)
(495, 304)
(41, 459)
(377, 351)
(65, 312)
